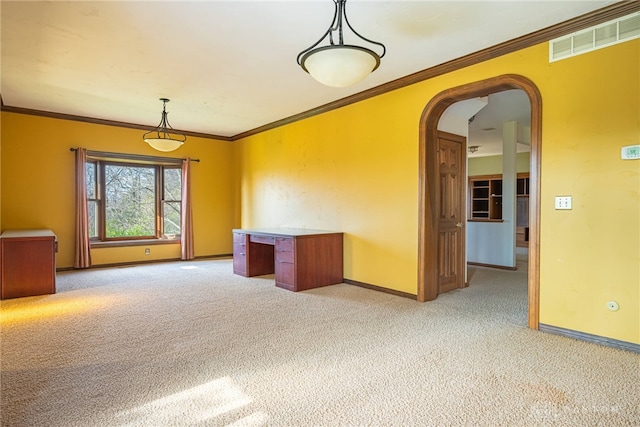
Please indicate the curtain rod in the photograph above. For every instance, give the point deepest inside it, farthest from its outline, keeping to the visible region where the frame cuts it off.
(133, 156)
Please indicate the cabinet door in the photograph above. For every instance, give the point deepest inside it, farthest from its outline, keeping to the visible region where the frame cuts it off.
(495, 211)
(285, 275)
(28, 267)
(522, 211)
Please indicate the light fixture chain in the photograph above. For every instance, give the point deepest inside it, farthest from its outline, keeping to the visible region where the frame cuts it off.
(340, 14)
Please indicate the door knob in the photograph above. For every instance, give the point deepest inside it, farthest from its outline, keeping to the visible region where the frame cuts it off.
(459, 225)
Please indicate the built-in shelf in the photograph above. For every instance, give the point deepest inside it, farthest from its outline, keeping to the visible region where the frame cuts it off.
(485, 196)
(485, 202)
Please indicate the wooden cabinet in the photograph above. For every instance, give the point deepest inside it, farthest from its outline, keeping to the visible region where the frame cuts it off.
(301, 259)
(28, 263)
(485, 202)
(522, 237)
(485, 198)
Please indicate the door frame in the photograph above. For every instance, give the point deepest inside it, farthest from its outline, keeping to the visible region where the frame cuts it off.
(428, 181)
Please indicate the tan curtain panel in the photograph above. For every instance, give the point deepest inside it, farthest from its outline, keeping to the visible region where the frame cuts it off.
(186, 239)
(83, 252)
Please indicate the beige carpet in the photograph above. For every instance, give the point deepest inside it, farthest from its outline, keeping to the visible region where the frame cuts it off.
(190, 344)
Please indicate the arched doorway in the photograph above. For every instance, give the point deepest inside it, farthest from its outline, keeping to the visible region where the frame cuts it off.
(428, 181)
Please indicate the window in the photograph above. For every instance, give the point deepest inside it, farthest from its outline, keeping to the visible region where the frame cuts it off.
(133, 201)
(172, 201)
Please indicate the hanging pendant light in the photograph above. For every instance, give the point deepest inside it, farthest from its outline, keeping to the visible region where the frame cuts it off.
(339, 64)
(164, 137)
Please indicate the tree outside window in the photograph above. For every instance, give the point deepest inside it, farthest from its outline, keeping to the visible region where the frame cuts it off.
(172, 201)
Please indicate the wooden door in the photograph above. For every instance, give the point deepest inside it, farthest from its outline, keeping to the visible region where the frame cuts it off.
(451, 165)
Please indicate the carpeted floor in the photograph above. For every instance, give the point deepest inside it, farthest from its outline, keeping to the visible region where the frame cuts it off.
(191, 344)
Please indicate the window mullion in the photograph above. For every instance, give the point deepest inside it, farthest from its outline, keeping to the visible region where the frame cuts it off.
(100, 200)
(159, 201)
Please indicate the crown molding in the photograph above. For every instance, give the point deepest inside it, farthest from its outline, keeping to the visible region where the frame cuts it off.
(83, 119)
(581, 22)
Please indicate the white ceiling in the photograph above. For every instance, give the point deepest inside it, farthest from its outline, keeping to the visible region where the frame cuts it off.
(230, 66)
(485, 129)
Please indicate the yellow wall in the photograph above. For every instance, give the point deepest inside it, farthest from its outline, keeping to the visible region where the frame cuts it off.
(591, 254)
(38, 184)
(356, 170)
(338, 172)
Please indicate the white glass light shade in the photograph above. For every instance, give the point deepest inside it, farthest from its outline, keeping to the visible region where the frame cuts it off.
(164, 144)
(340, 65)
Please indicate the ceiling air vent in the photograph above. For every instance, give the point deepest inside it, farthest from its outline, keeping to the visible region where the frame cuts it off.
(603, 35)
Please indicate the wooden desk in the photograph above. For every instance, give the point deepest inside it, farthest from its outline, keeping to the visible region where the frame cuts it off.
(301, 259)
(28, 260)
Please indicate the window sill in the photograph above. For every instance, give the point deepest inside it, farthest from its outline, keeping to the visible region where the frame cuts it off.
(485, 220)
(123, 243)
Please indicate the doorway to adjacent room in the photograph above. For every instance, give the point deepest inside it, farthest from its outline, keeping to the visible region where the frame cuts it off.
(429, 226)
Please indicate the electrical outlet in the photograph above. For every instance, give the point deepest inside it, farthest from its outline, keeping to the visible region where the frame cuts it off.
(613, 305)
(147, 251)
(563, 202)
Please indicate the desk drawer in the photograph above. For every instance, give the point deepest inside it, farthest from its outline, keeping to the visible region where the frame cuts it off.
(284, 256)
(284, 244)
(266, 240)
(239, 248)
(240, 238)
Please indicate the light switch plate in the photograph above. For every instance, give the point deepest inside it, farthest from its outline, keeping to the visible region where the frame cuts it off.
(563, 202)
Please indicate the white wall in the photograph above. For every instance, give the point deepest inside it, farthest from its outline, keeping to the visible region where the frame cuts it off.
(494, 243)
(455, 119)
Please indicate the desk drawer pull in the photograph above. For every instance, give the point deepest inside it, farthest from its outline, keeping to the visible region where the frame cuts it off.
(263, 239)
